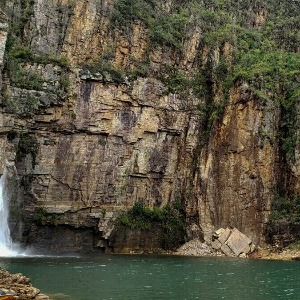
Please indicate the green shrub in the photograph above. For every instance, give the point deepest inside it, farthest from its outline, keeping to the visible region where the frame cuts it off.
(294, 246)
(24, 106)
(26, 181)
(285, 208)
(21, 52)
(45, 218)
(106, 69)
(175, 80)
(126, 12)
(26, 79)
(27, 145)
(164, 29)
(170, 218)
(42, 217)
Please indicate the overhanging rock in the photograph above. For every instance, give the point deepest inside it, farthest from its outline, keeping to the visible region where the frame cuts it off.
(232, 242)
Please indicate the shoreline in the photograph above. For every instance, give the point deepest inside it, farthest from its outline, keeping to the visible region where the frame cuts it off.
(276, 254)
(199, 249)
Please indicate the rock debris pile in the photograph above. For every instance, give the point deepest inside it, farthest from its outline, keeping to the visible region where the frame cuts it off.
(20, 286)
(229, 242)
(196, 248)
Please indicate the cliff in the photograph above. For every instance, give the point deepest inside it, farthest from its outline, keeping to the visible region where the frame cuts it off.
(112, 102)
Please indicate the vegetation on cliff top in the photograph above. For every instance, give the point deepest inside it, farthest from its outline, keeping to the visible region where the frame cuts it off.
(264, 44)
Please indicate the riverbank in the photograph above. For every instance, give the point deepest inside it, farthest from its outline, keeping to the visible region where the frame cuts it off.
(197, 248)
(20, 286)
(275, 254)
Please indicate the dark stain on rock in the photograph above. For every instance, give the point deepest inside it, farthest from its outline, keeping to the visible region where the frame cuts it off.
(127, 118)
(160, 157)
(155, 191)
(85, 90)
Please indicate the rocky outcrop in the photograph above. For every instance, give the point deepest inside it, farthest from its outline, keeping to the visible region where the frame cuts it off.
(20, 286)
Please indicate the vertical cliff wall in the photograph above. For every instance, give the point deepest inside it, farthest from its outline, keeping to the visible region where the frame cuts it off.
(107, 103)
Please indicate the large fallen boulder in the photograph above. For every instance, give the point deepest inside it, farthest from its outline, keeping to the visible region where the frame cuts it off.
(232, 242)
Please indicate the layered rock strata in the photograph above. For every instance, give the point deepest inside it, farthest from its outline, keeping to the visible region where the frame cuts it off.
(97, 117)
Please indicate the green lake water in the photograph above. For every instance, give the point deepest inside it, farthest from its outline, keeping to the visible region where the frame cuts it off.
(158, 277)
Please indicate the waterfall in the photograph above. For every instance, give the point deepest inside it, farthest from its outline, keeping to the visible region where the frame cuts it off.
(6, 246)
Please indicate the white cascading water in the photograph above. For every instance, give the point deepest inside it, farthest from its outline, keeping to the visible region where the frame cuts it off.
(5, 239)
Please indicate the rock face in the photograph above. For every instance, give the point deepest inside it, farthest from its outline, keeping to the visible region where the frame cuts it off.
(243, 171)
(232, 242)
(20, 286)
(125, 240)
(98, 113)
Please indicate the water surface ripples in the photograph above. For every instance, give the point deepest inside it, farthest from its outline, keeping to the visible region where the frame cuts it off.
(159, 277)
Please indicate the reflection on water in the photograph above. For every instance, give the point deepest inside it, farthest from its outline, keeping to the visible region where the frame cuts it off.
(152, 277)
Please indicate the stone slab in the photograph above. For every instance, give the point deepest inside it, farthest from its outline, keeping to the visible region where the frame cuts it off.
(226, 250)
(224, 235)
(246, 249)
(238, 242)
